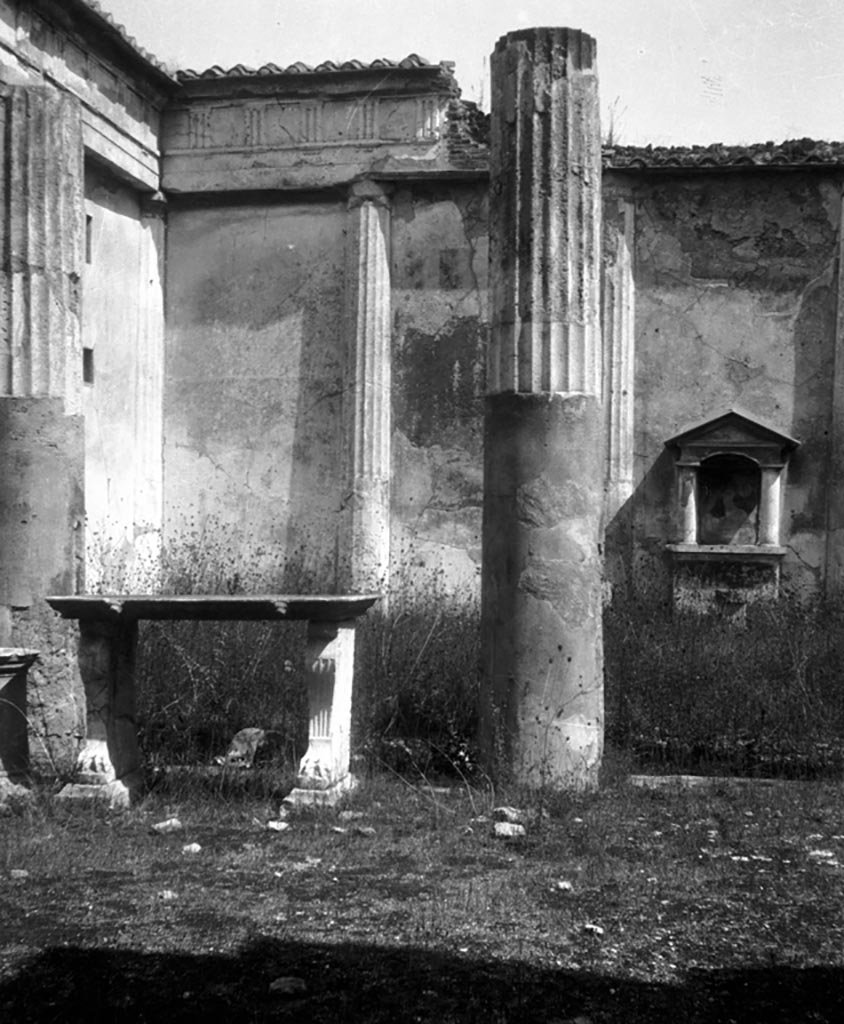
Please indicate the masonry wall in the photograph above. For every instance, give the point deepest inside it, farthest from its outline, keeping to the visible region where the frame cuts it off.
(123, 333)
(254, 377)
(439, 299)
(735, 306)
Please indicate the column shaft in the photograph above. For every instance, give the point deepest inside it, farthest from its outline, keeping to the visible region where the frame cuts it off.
(41, 427)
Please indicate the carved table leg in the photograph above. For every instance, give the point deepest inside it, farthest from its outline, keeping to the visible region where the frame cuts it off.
(324, 770)
(110, 755)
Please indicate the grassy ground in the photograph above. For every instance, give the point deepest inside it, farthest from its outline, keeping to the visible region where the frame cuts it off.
(624, 906)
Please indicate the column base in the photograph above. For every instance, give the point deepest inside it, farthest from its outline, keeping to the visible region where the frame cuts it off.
(325, 797)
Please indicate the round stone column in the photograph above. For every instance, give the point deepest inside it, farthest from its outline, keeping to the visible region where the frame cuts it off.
(541, 715)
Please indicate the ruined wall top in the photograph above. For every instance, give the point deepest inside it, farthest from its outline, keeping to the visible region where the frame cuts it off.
(562, 49)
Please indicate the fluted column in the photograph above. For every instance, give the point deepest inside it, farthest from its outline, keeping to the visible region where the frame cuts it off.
(42, 212)
(41, 426)
(542, 667)
(365, 537)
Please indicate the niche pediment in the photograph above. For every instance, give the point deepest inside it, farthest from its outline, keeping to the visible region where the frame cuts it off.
(732, 433)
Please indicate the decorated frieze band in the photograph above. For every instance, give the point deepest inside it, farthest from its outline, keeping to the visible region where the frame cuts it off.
(281, 124)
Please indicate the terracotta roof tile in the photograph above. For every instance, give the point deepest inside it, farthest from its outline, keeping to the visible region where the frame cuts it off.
(411, 62)
(103, 15)
(794, 152)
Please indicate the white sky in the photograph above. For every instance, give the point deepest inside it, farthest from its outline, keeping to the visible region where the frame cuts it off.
(673, 71)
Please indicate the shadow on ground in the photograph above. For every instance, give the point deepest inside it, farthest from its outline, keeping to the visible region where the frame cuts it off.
(365, 984)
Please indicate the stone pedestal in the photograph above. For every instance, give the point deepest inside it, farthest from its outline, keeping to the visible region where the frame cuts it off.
(324, 770)
(365, 545)
(542, 668)
(14, 743)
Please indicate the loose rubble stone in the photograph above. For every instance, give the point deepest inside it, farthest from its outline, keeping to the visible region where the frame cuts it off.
(593, 929)
(278, 826)
(288, 986)
(19, 873)
(191, 848)
(508, 830)
(363, 830)
(12, 796)
(168, 826)
(513, 815)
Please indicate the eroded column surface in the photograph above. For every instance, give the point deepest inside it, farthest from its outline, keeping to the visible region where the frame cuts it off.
(542, 665)
(324, 770)
(365, 538)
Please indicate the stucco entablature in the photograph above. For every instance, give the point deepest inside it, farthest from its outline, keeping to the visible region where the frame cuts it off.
(306, 128)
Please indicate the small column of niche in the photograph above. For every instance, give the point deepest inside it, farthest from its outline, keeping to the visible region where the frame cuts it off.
(324, 770)
(730, 472)
(365, 538)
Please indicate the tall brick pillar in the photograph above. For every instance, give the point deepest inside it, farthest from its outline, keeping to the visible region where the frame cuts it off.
(542, 666)
(364, 556)
(41, 426)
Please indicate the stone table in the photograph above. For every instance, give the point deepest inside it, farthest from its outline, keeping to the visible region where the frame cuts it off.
(108, 634)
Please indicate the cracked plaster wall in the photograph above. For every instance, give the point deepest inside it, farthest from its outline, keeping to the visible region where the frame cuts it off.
(123, 326)
(439, 308)
(254, 376)
(735, 306)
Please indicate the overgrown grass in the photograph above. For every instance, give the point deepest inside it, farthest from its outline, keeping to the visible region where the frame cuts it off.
(683, 692)
(697, 693)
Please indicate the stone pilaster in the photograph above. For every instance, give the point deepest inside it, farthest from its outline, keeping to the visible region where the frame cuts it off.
(618, 323)
(542, 697)
(364, 555)
(149, 389)
(42, 215)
